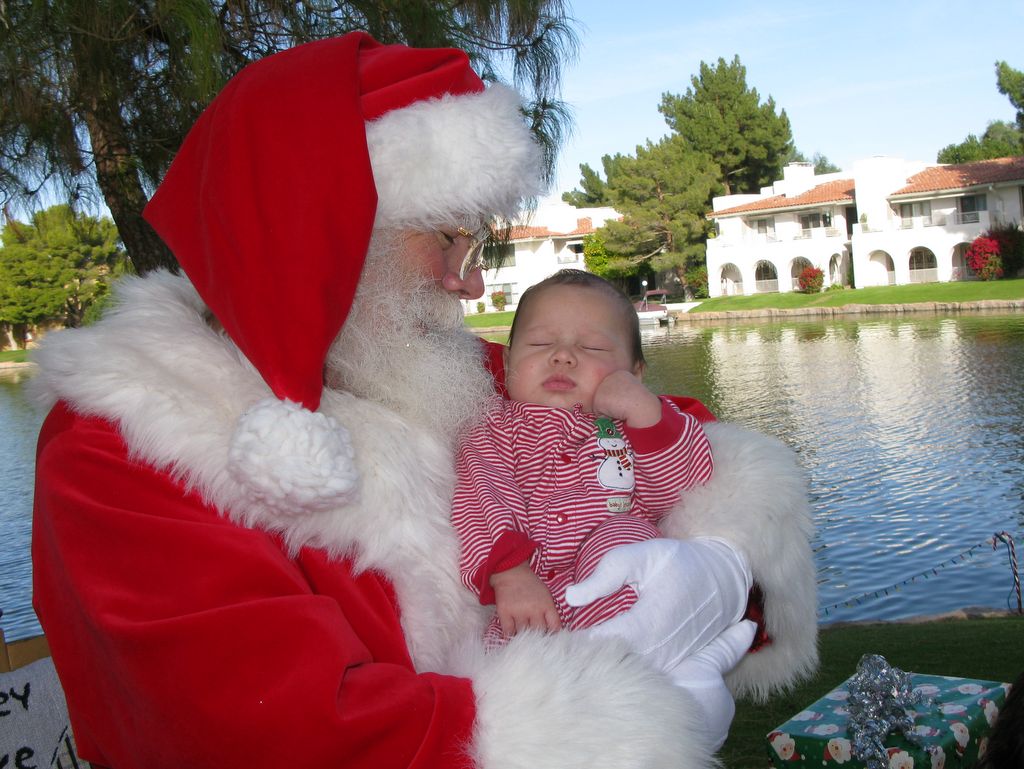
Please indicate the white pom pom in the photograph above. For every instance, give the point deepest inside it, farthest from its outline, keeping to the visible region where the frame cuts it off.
(291, 459)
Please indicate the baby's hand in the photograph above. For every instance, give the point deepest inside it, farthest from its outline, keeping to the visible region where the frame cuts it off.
(523, 601)
(621, 395)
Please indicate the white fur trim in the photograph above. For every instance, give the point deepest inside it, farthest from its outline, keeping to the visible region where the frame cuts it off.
(757, 500)
(291, 459)
(562, 701)
(177, 389)
(454, 158)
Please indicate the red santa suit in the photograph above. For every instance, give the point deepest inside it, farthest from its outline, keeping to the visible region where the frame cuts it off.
(560, 488)
(237, 567)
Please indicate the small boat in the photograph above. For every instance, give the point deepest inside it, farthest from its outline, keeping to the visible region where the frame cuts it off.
(655, 311)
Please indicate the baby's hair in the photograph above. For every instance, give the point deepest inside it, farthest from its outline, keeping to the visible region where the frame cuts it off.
(583, 279)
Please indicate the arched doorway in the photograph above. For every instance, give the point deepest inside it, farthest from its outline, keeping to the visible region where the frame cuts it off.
(961, 270)
(766, 279)
(838, 269)
(881, 270)
(732, 280)
(924, 268)
(799, 265)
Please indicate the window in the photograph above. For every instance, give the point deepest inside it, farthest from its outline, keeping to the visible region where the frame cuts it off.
(922, 259)
(970, 206)
(766, 228)
(810, 221)
(508, 289)
(911, 211)
(571, 254)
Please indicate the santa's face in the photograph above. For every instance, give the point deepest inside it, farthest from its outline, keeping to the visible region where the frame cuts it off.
(438, 256)
(403, 344)
(567, 341)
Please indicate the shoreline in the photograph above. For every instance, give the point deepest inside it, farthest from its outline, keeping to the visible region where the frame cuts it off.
(966, 613)
(981, 305)
(774, 313)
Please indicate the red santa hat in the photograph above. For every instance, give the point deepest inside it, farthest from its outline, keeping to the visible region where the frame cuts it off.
(270, 202)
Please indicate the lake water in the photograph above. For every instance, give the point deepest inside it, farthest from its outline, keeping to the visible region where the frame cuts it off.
(909, 427)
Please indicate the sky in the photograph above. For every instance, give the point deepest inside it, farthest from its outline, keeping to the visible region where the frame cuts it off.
(902, 79)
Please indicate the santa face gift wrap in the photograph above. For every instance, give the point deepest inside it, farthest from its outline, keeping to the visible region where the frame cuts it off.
(950, 727)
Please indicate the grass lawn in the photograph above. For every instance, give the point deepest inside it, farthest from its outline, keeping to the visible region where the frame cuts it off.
(991, 649)
(13, 356)
(968, 291)
(971, 291)
(489, 319)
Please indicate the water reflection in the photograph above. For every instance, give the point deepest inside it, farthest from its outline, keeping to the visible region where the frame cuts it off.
(19, 426)
(909, 428)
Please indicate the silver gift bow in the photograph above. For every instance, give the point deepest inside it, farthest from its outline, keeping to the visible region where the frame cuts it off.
(881, 702)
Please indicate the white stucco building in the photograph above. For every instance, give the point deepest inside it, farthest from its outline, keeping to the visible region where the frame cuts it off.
(888, 222)
(540, 245)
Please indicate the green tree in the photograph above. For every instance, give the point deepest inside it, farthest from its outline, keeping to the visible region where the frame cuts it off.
(1001, 139)
(100, 93)
(594, 190)
(603, 264)
(1010, 83)
(663, 194)
(822, 165)
(55, 268)
(723, 118)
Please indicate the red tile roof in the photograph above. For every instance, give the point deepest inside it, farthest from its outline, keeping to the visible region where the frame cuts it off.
(963, 175)
(524, 233)
(840, 191)
(584, 226)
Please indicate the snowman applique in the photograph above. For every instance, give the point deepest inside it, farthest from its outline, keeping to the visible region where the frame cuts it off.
(615, 463)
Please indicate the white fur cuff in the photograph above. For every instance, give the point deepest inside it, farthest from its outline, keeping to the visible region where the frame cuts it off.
(561, 701)
(293, 460)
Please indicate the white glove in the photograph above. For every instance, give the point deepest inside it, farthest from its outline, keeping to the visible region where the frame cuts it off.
(689, 592)
(702, 675)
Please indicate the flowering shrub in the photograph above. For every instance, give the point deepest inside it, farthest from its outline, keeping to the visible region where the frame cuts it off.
(811, 280)
(498, 300)
(1011, 247)
(983, 258)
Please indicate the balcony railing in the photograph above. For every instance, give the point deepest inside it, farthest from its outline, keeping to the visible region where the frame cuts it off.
(766, 286)
(732, 288)
(967, 217)
(930, 275)
(982, 218)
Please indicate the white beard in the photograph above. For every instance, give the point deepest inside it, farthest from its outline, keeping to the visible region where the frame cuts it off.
(403, 345)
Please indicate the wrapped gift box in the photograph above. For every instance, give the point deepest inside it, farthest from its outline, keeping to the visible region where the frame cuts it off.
(952, 729)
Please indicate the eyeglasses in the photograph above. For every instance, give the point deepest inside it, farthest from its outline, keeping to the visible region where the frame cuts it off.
(474, 258)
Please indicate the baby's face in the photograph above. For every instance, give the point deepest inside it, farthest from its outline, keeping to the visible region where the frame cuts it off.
(570, 339)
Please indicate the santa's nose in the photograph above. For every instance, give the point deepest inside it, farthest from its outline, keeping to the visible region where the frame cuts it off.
(469, 287)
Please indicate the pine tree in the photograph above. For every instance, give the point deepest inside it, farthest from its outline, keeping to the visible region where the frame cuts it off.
(100, 93)
(663, 194)
(725, 119)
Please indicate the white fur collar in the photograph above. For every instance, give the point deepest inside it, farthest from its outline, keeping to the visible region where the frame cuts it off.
(177, 390)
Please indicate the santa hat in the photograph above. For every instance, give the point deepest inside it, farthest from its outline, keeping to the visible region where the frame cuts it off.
(270, 203)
